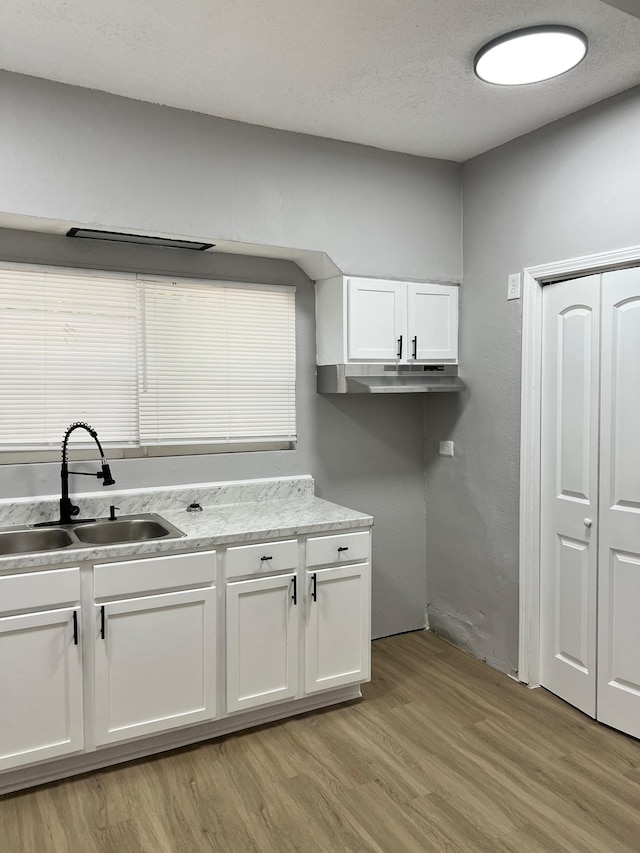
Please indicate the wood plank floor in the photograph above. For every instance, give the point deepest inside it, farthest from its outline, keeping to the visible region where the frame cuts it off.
(443, 754)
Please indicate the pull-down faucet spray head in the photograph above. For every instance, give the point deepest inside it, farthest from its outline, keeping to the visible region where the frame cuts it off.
(67, 509)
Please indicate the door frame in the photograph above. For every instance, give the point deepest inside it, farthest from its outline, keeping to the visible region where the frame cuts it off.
(533, 280)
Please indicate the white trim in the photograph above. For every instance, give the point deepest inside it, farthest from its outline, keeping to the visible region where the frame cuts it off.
(534, 278)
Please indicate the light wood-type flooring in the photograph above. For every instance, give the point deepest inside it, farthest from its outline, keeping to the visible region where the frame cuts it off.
(443, 754)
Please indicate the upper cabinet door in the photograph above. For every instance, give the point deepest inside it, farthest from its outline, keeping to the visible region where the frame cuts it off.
(432, 327)
(376, 311)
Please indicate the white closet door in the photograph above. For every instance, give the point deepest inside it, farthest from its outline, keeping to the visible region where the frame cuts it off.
(569, 472)
(619, 534)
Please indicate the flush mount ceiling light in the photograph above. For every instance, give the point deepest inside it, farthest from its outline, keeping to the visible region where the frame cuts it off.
(118, 237)
(530, 55)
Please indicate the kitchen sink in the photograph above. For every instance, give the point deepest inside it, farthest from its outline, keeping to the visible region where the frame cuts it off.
(133, 529)
(25, 541)
(103, 531)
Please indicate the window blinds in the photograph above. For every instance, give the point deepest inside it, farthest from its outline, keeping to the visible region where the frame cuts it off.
(67, 353)
(218, 364)
(145, 362)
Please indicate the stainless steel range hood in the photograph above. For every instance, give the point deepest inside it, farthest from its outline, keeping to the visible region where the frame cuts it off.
(388, 379)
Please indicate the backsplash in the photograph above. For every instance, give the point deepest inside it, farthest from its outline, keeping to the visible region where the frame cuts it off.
(160, 499)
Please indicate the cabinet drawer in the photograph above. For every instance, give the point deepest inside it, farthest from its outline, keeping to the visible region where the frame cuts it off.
(264, 557)
(34, 590)
(340, 548)
(176, 571)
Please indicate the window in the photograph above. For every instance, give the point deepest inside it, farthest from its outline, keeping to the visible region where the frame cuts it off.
(150, 363)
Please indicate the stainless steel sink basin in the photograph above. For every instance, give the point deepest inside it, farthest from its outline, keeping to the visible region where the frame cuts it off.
(26, 541)
(103, 531)
(126, 529)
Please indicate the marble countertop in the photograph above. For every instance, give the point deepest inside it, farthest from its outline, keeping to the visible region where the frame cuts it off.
(259, 510)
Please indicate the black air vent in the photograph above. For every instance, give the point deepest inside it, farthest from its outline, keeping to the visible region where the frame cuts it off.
(141, 239)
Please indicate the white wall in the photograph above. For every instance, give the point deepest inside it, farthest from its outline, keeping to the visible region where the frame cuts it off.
(570, 189)
(100, 160)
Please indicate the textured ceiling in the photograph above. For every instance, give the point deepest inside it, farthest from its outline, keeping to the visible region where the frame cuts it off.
(395, 74)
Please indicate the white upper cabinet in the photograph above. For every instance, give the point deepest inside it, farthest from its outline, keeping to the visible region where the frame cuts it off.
(432, 323)
(391, 322)
(375, 311)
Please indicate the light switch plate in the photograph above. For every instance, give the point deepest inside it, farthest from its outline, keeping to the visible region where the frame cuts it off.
(446, 448)
(513, 286)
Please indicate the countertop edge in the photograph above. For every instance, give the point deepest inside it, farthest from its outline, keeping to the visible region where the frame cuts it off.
(235, 533)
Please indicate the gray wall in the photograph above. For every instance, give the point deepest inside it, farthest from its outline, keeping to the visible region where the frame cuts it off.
(92, 158)
(364, 453)
(570, 189)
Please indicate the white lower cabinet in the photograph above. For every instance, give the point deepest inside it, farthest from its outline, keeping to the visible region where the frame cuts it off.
(40, 669)
(321, 615)
(155, 655)
(338, 638)
(296, 623)
(155, 664)
(262, 641)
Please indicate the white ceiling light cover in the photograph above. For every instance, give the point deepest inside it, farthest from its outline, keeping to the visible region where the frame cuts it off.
(530, 55)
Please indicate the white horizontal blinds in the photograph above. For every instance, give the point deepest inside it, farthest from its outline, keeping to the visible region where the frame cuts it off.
(261, 370)
(67, 353)
(218, 363)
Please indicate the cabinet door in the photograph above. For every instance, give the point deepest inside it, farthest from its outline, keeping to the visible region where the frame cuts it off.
(155, 663)
(262, 641)
(376, 320)
(432, 311)
(338, 641)
(41, 678)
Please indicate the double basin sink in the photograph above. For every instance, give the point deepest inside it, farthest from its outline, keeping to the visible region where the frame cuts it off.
(102, 531)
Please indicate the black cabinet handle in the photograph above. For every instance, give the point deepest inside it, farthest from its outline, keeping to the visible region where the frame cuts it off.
(102, 624)
(400, 347)
(262, 559)
(294, 596)
(314, 587)
(415, 347)
(75, 627)
(343, 548)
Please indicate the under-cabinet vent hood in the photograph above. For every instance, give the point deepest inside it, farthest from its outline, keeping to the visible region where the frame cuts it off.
(388, 379)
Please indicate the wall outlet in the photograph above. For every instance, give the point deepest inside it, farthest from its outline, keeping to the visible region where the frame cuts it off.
(446, 448)
(513, 286)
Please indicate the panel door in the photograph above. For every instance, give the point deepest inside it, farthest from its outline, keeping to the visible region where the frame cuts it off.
(155, 663)
(432, 323)
(568, 497)
(376, 313)
(41, 678)
(619, 534)
(262, 641)
(338, 635)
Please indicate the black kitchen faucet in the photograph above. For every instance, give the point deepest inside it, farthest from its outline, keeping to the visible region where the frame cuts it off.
(67, 509)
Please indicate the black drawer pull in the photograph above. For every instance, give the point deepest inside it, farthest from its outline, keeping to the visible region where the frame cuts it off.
(314, 587)
(415, 347)
(75, 627)
(262, 559)
(343, 548)
(294, 597)
(400, 347)
(102, 623)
